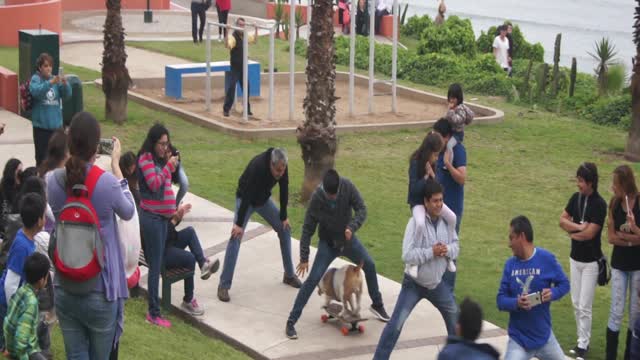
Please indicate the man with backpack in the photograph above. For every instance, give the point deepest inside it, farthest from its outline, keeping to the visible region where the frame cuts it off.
(32, 208)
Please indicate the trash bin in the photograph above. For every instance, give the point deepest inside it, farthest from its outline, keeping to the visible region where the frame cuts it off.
(32, 43)
(75, 103)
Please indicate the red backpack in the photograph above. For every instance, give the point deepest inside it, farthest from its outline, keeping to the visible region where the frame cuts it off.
(26, 100)
(76, 247)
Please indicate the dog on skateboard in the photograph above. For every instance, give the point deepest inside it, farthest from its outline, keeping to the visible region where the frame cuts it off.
(343, 285)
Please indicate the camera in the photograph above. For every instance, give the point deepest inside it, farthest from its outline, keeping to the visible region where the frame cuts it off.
(535, 298)
(105, 147)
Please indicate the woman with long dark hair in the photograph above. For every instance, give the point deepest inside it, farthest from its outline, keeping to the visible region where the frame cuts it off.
(157, 206)
(92, 323)
(9, 187)
(57, 154)
(624, 235)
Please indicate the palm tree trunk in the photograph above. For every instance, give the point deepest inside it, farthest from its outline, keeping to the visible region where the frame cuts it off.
(632, 151)
(115, 75)
(317, 134)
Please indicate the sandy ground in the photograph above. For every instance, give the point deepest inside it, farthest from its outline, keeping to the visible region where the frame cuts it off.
(409, 110)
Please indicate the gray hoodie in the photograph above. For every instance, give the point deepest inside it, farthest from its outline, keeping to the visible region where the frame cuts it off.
(333, 218)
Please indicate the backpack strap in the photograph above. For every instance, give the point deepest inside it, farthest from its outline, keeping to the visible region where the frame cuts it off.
(92, 179)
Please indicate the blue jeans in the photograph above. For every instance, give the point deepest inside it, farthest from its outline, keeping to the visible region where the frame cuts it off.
(623, 286)
(176, 257)
(88, 324)
(324, 257)
(271, 214)
(635, 341)
(183, 184)
(410, 294)
(154, 232)
(550, 351)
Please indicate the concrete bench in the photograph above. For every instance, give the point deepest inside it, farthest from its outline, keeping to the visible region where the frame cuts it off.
(8, 90)
(173, 76)
(169, 276)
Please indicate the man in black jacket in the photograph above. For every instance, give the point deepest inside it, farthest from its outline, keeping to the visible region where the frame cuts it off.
(254, 195)
(331, 206)
(236, 51)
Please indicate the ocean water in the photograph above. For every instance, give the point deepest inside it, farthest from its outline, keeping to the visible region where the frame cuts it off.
(581, 22)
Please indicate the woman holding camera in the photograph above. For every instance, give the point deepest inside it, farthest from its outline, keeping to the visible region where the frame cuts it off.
(624, 235)
(583, 219)
(48, 92)
(156, 165)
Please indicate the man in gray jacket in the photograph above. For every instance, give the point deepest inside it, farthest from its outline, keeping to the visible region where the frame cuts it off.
(331, 206)
(429, 252)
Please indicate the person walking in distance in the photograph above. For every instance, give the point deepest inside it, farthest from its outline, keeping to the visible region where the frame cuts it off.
(198, 10)
(234, 44)
(223, 7)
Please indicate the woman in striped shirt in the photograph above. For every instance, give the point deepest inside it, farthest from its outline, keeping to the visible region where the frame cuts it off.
(157, 205)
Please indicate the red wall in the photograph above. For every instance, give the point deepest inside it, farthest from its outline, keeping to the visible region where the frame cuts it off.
(76, 5)
(29, 15)
(8, 90)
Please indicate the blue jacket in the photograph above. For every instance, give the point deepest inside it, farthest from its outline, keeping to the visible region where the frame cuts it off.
(531, 329)
(416, 185)
(47, 107)
(459, 348)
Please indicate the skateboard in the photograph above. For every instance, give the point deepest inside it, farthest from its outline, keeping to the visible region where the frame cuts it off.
(349, 322)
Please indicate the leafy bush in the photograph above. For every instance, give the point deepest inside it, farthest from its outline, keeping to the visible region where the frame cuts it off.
(616, 78)
(522, 49)
(416, 25)
(454, 36)
(609, 111)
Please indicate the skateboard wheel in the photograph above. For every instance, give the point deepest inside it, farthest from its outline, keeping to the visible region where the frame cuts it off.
(361, 328)
(344, 331)
(324, 318)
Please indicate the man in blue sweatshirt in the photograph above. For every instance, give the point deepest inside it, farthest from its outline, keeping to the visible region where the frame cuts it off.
(531, 274)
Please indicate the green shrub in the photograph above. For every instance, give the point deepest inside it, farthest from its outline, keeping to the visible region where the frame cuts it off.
(416, 25)
(616, 79)
(609, 111)
(454, 36)
(522, 49)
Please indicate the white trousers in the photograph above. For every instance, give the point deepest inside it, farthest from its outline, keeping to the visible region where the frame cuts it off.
(584, 278)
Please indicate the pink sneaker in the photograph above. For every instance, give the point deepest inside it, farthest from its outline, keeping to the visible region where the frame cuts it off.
(158, 320)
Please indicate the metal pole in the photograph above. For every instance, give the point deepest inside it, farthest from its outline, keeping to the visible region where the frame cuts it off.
(271, 63)
(208, 55)
(245, 75)
(372, 50)
(394, 56)
(292, 56)
(352, 56)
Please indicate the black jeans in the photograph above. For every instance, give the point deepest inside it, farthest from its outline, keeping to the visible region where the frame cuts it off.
(223, 15)
(41, 142)
(236, 76)
(198, 9)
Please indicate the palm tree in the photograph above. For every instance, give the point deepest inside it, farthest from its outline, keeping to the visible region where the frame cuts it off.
(633, 142)
(317, 134)
(115, 76)
(604, 53)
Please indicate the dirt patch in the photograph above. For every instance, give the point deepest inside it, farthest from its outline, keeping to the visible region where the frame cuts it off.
(410, 109)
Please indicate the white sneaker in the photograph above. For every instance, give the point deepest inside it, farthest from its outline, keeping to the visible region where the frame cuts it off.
(209, 267)
(451, 266)
(192, 308)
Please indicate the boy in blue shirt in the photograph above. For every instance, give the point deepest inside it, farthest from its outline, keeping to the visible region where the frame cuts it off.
(535, 272)
(32, 209)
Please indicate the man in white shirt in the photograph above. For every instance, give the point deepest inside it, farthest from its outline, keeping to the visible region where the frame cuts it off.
(383, 7)
(501, 49)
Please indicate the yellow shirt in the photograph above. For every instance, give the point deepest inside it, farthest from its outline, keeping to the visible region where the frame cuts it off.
(231, 41)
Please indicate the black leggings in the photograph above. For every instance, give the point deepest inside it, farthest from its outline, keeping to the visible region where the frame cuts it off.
(223, 15)
(198, 9)
(41, 142)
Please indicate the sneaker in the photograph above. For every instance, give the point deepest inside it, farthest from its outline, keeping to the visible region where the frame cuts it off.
(158, 320)
(580, 354)
(209, 267)
(293, 281)
(226, 114)
(574, 350)
(380, 312)
(291, 331)
(192, 308)
(223, 294)
(451, 266)
(249, 113)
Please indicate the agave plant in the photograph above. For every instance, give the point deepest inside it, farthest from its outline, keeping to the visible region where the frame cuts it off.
(604, 53)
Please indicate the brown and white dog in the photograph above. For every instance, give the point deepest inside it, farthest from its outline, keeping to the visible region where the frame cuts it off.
(342, 285)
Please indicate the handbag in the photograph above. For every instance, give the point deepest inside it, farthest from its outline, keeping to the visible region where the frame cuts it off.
(604, 272)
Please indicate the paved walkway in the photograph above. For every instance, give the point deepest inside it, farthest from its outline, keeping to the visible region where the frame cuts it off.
(260, 303)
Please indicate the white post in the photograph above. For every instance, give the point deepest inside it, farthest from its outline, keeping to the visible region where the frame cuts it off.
(352, 55)
(394, 56)
(271, 63)
(245, 74)
(292, 56)
(372, 50)
(208, 84)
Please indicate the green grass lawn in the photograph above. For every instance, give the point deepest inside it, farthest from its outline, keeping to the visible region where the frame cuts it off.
(525, 165)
